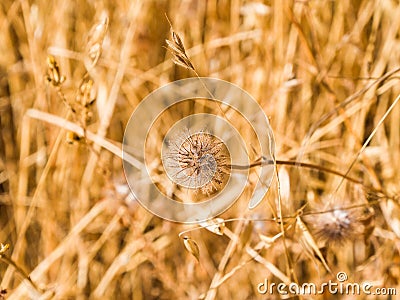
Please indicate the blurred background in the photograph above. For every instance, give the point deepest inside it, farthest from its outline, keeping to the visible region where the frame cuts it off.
(325, 72)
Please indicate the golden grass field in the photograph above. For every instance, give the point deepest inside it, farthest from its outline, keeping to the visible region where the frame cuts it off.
(326, 73)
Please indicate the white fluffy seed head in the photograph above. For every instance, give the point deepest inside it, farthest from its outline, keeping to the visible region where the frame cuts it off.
(341, 225)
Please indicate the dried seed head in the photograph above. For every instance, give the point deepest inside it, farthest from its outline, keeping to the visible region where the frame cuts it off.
(72, 138)
(342, 225)
(192, 247)
(86, 93)
(95, 40)
(3, 293)
(198, 161)
(178, 50)
(4, 248)
(53, 75)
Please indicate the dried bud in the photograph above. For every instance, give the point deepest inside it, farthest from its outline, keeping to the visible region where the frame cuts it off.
(53, 75)
(72, 138)
(86, 93)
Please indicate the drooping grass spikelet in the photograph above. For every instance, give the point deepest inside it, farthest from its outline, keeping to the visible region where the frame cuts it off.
(178, 50)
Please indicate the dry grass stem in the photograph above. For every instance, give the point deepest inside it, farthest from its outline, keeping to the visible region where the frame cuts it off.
(326, 74)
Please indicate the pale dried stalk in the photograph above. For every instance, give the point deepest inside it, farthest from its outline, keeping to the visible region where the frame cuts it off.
(134, 247)
(265, 243)
(344, 104)
(309, 244)
(64, 246)
(108, 110)
(98, 140)
(270, 267)
(21, 242)
(234, 240)
(368, 140)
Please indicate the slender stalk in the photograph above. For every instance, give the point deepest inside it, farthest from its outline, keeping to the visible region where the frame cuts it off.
(294, 163)
(19, 270)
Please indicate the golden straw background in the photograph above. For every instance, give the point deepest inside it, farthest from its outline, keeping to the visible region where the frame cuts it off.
(325, 73)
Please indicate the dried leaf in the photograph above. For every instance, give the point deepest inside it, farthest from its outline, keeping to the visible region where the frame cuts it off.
(192, 247)
(216, 225)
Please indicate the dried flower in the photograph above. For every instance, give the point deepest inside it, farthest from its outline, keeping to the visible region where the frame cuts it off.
(198, 161)
(340, 225)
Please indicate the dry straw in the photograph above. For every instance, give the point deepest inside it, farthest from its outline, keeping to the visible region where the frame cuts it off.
(325, 72)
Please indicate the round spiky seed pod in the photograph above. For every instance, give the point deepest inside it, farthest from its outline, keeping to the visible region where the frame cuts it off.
(198, 161)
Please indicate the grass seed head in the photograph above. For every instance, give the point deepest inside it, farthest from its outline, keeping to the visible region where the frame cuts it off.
(178, 50)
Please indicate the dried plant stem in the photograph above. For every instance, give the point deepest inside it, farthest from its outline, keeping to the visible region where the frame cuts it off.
(212, 291)
(129, 252)
(346, 102)
(21, 241)
(58, 121)
(367, 142)
(33, 53)
(301, 164)
(289, 264)
(107, 112)
(21, 272)
(67, 242)
(98, 140)
(271, 267)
